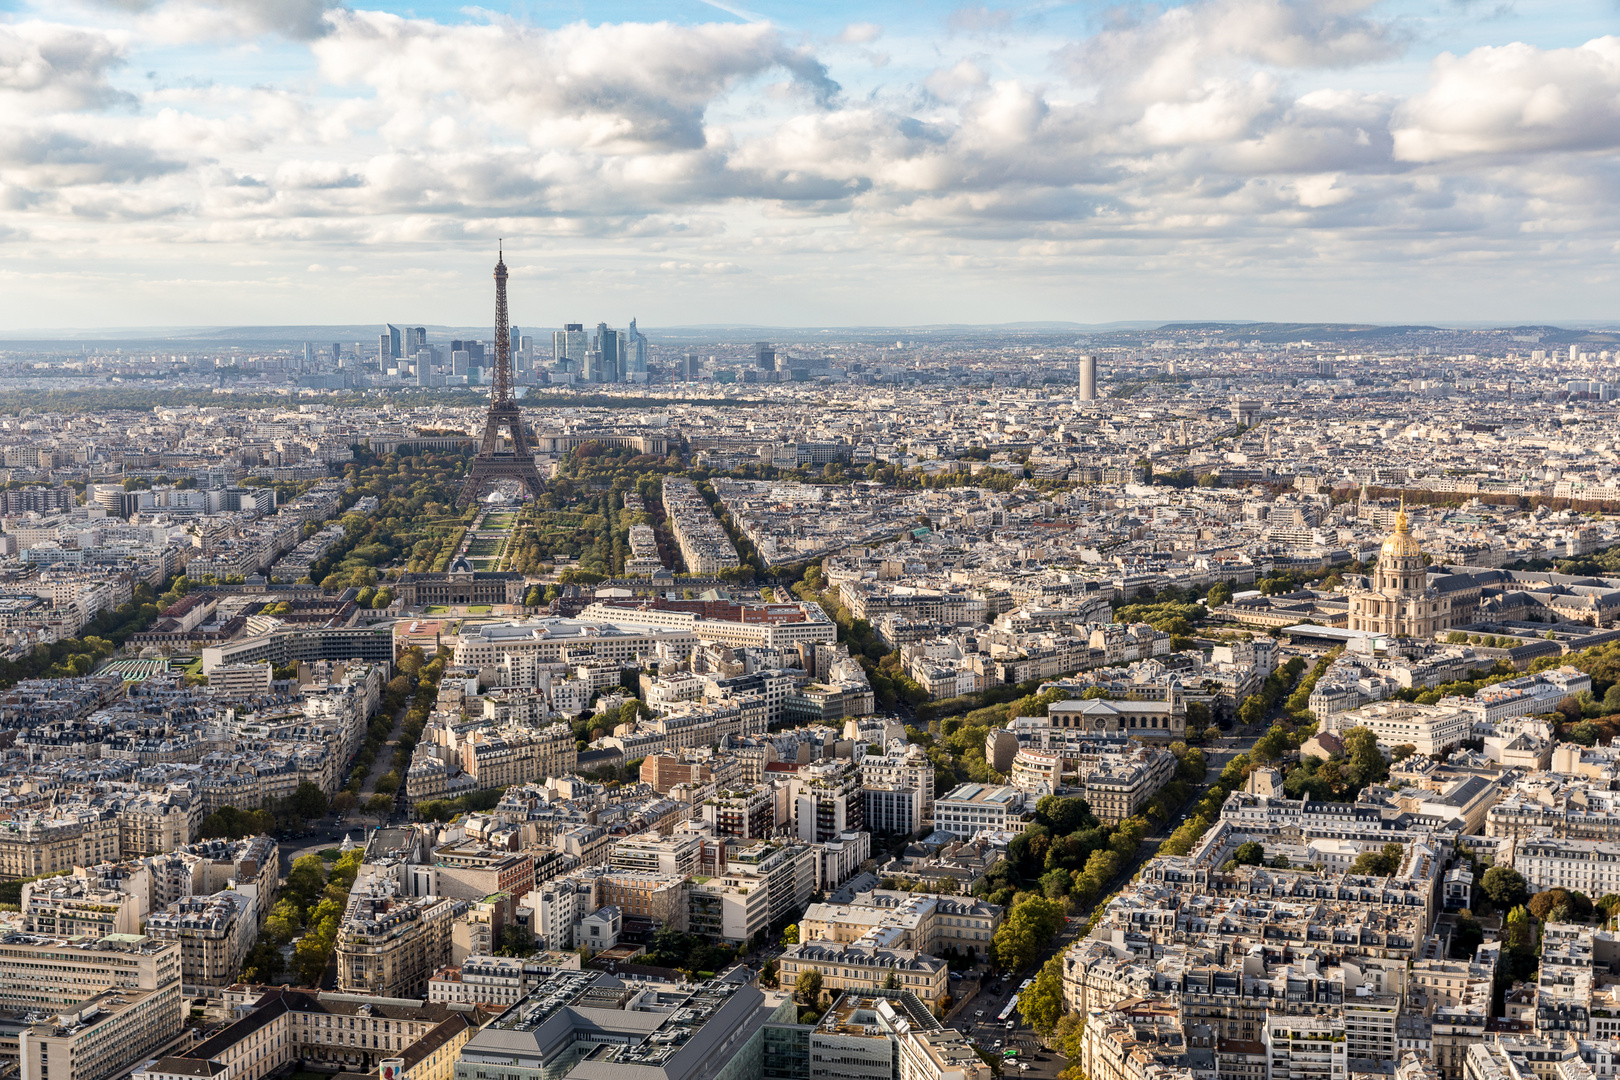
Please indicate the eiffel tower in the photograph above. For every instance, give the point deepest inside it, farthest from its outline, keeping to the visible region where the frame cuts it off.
(511, 458)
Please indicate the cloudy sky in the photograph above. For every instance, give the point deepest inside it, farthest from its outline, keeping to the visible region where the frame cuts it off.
(789, 162)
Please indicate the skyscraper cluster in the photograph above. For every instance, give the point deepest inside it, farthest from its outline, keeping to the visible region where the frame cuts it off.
(406, 353)
(603, 356)
(578, 355)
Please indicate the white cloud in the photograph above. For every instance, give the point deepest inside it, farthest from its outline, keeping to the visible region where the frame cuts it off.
(201, 20)
(47, 68)
(860, 33)
(627, 88)
(1178, 50)
(1515, 99)
(1216, 133)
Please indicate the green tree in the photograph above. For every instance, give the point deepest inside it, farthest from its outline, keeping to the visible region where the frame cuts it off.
(309, 801)
(807, 987)
(1064, 815)
(1041, 1003)
(1466, 939)
(1273, 745)
(1516, 936)
(1249, 854)
(306, 879)
(1025, 930)
(1219, 593)
(1066, 1038)
(790, 934)
(1505, 886)
(1379, 863)
(1543, 904)
(516, 940)
(1366, 763)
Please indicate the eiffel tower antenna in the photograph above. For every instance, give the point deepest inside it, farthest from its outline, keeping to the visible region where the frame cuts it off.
(495, 459)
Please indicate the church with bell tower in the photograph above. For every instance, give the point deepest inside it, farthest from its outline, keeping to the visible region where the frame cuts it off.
(1399, 602)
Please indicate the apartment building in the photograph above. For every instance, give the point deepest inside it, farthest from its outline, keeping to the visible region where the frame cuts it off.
(1433, 729)
(927, 922)
(497, 981)
(677, 854)
(112, 1001)
(970, 809)
(518, 755)
(548, 639)
(215, 933)
(888, 1034)
(827, 800)
(390, 945)
(728, 910)
(644, 894)
(1576, 865)
(892, 808)
(154, 822)
(1117, 777)
(785, 871)
(907, 767)
(54, 842)
(865, 968)
(1137, 1039)
(1305, 1047)
(86, 903)
(705, 547)
(240, 680)
(469, 870)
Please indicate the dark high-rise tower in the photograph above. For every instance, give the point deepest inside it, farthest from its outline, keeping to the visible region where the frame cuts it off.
(764, 356)
(513, 458)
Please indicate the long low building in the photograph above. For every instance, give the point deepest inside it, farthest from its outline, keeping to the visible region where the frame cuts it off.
(739, 625)
(550, 639)
(96, 1006)
(283, 1027)
(1588, 866)
(588, 1025)
(1432, 729)
(374, 643)
(460, 584)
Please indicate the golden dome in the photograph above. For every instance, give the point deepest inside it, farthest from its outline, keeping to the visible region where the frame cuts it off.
(1401, 543)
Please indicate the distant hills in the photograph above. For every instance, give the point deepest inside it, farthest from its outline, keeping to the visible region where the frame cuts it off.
(1341, 334)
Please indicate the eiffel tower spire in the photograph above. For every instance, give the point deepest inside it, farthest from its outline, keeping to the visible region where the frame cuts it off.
(502, 390)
